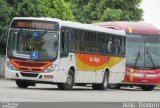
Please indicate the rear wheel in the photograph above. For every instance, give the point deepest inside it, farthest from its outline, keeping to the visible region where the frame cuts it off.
(24, 84)
(69, 83)
(95, 86)
(103, 85)
(147, 87)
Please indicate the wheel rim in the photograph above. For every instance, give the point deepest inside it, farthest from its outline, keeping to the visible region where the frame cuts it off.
(112, 85)
(69, 80)
(105, 83)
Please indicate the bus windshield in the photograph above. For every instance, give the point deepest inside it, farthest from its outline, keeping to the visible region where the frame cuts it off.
(142, 51)
(33, 45)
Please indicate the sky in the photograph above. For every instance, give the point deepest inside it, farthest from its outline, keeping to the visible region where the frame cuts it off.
(151, 10)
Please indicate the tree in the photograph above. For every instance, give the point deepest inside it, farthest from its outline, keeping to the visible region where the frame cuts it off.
(77, 7)
(42, 8)
(106, 10)
(55, 9)
(5, 13)
(111, 15)
(31, 8)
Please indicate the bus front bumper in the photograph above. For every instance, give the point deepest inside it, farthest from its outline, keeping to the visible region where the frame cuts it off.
(54, 76)
(140, 78)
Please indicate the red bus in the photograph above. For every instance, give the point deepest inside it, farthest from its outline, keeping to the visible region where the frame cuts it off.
(142, 54)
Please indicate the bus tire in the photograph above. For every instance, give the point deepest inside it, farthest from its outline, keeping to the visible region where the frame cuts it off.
(147, 87)
(60, 86)
(104, 84)
(114, 86)
(69, 83)
(22, 83)
(95, 86)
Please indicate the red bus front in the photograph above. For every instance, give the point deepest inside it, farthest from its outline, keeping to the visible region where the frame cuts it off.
(143, 59)
(142, 76)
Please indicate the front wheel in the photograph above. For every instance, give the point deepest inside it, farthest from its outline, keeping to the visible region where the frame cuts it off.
(69, 83)
(22, 83)
(147, 87)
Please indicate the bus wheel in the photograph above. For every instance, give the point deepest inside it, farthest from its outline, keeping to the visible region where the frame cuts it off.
(114, 86)
(103, 85)
(22, 83)
(69, 83)
(60, 86)
(95, 86)
(147, 87)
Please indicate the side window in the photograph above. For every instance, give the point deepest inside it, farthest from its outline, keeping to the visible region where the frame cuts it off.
(110, 44)
(64, 42)
(79, 40)
(123, 46)
(101, 43)
(106, 41)
(92, 42)
(82, 42)
(117, 45)
(73, 40)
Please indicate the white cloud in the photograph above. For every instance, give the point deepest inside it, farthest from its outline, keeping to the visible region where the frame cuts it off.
(151, 10)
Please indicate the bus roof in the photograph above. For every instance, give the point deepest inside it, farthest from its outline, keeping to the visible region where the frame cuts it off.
(131, 27)
(75, 25)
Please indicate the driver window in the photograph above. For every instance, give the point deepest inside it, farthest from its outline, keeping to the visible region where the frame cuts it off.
(65, 41)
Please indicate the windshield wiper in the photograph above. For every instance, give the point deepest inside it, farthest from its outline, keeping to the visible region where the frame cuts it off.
(137, 57)
(149, 55)
(43, 33)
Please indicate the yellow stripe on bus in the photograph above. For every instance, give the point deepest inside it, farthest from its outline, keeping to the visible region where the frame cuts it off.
(131, 75)
(82, 66)
(130, 30)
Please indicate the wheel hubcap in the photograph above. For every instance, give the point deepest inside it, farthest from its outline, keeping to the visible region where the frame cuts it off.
(105, 81)
(69, 80)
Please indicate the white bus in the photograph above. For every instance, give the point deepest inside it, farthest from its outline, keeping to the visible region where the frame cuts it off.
(52, 51)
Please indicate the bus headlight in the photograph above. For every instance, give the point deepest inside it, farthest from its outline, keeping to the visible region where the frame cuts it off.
(50, 68)
(10, 66)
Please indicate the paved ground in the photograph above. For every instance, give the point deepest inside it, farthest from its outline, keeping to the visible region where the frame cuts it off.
(50, 93)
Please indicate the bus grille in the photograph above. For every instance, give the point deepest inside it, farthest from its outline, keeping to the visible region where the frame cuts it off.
(29, 75)
(30, 66)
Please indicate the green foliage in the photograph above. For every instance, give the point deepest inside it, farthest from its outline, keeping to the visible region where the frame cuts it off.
(42, 8)
(31, 8)
(56, 9)
(25, 9)
(5, 12)
(111, 15)
(89, 11)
